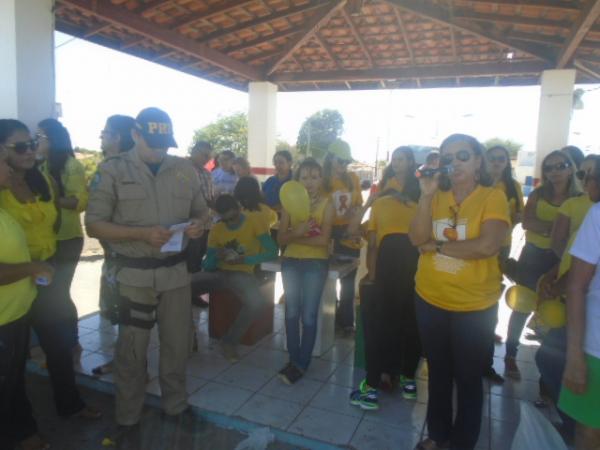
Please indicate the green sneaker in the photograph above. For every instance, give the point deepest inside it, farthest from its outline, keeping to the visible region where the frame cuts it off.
(409, 388)
(365, 397)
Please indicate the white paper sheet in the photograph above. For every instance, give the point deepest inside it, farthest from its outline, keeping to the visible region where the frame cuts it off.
(176, 242)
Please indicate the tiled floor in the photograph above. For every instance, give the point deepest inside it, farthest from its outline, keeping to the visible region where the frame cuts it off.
(317, 407)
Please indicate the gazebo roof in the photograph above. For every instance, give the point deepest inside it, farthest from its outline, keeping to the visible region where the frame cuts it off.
(348, 44)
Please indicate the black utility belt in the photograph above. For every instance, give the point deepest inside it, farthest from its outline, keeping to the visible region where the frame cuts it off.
(147, 263)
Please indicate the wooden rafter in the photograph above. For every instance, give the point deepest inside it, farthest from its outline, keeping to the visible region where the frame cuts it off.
(312, 25)
(553, 41)
(261, 21)
(121, 17)
(356, 35)
(260, 40)
(440, 15)
(421, 72)
(404, 35)
(222, 7)
(151, 6)
(131, 42)
(95, 30)
(582, 26)
(326, 48)
(551, 4)
(586, 69)
(510, 19)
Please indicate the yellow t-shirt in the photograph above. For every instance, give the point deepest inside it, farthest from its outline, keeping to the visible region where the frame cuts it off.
(73, 180)
(575, 209)
(392, 183)
(301, 251)
(265, 216)
(243, 240)
(343, 199)
(390, 216)
(458, 284)
(15, 298)
(544, 211)
(512, 206)
(37, 220)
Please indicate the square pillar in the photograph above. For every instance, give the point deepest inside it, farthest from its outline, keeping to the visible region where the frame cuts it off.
(27, 89)
(556, 104)
(262, 127)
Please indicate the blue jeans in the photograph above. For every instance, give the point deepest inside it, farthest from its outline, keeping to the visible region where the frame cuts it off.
(303, 283)
(455, 345)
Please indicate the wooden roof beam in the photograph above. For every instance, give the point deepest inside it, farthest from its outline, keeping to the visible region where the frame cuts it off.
(312, 25)
(121, 17)
(326, 48)
(586, 69)
(97, 29)
(404, 35)
(551, 4)
(582, 26)
(151, 5)
(213, 10)
(510, 19)
(421, 72)
(356, 35)
(261, 40)
(440, 15)
(261, 20)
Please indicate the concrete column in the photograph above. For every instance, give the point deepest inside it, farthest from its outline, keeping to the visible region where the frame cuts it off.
(556, 104)
(27, 89)
(262, 127)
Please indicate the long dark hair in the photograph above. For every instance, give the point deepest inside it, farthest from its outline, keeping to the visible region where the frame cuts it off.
(122, 125)
(60, 149)
(247, 193)
(507, 176)
(33, 177)
(411, 189)
(328, 175)
(546, 189)
(483, 177)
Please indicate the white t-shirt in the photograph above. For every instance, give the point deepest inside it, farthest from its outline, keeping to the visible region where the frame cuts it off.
(587, 248)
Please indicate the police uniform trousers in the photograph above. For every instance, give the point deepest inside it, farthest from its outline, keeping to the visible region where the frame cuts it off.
(172, 311)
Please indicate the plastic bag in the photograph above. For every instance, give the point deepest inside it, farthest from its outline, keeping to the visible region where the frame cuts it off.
(535, 432)
(258, 439)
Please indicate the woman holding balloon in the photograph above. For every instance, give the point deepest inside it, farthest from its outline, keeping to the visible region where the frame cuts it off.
(305, 231)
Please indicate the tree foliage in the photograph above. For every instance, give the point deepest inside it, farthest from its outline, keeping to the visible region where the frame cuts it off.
(318, 131)
(510, 145)
(226, 133)
(89, 159)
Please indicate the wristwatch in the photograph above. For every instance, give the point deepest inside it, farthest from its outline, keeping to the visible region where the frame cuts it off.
(438, 246)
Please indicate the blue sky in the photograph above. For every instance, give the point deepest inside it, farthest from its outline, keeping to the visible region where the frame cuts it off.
(94, 82)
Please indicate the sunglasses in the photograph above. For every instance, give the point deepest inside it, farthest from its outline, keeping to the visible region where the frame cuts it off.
(461, 155)
(559, 167)
(497, 159)
(21, 147)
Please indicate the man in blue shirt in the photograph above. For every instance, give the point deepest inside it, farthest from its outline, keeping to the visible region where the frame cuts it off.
(282, 160)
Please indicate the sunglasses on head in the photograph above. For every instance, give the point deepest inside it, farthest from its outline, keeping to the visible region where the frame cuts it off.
(497, 159)
(461, 155)
(559, 167)
(22, 147)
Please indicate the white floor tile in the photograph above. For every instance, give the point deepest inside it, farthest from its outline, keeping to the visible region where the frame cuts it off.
(220, 398)
(206, 366)
(270, 411)
(320, 369)
(246, 377)
(380, 436)
(347, 376)
(325, 425)
(301, 392)
(336, 398)
(267, 359)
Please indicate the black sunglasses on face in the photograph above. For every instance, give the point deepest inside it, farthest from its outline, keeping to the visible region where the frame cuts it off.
(559, 167)
(461, 155)
(497, 159)
(22, 147)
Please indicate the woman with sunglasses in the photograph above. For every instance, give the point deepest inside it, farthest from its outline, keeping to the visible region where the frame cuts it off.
(580, 393)
(29, 201)
(459, 227)
(558, 184)
(68, 175)
(392, 345)
(344, 189)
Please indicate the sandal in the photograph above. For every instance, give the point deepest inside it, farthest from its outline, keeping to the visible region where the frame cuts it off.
(430, 444)
(34, 442)
(88, 413)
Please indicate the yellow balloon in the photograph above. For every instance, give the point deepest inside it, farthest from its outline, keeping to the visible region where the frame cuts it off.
(521, 299)
(294, 199)
(553, 313)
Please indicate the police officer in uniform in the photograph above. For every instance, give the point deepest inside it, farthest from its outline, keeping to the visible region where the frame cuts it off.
(134, 200)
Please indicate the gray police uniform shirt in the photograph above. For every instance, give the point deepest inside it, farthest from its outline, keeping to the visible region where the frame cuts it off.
(125, 192)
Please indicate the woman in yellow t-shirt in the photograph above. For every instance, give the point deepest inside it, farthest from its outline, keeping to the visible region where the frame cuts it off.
(17, 291)
(343, 188)
(392, 344)
(459, 227)
(247, 193)
(28, 200)
(558, 184)
(304, 270)
(68, 178)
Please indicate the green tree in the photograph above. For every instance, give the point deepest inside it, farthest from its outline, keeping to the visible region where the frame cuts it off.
(510, 145)
(226, 133)
(318, 131)
(89, 159)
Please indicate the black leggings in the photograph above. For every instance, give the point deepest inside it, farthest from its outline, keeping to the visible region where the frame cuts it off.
(66, 260)
(392, 343)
